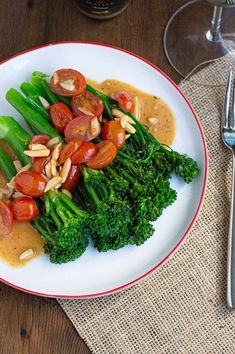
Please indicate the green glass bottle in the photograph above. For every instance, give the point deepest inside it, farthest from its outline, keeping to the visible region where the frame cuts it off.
(102, 9)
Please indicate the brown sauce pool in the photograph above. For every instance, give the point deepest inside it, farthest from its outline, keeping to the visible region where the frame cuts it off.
(23, 235)
(163, 126)
(22, 238)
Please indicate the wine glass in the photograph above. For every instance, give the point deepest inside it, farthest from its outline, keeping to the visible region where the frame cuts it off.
(191, 40)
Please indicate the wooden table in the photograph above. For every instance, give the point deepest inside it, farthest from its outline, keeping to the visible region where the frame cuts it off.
(30, 324)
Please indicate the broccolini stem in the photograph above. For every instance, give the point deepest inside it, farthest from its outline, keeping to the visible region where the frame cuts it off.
(141, 129)
(47, 205)
(112, 172)
(33, 102)
(129, 178)
(50, 95)
(125, 156)
(104, 191)
(36, 224)
(81, 196)
(91, 191)
(38, 80)
(139, 135)
(6, 165)
(64, 99)
(50, 211)
(16, 137)
(41, 225)
(31, 90)
(55, 218)
(34, 119)
(61, 197)
(63, 214)
(104, 98)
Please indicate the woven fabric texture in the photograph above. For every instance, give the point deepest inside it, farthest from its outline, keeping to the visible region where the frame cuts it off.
(181, 308)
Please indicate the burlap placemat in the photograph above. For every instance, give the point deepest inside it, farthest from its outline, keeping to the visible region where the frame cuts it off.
(181, 308)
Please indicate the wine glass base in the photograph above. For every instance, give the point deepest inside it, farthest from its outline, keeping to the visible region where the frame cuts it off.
(187, 40)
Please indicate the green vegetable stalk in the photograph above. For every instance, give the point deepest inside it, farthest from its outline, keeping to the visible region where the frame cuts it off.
(30, 90)
(39, 82)
(33, 102)
(15, 136)
(6, 165)
(37, 122)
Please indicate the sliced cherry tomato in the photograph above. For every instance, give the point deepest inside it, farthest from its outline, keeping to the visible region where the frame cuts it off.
(125, 101)
(73, 178)
(68, 82)
(84, 128)
(39, 163)
(69, 149)
(24, 209)
(89, 102)
(84, 153)
(107, 152)
(80, 113)
(30, 183)
(60, 115)
(40, 139)
(113, 131)
(6, 219)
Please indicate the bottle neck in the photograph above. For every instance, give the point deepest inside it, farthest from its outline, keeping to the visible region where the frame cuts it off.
(102, 9)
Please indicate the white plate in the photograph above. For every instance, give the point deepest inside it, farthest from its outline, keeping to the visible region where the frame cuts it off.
(95, 273)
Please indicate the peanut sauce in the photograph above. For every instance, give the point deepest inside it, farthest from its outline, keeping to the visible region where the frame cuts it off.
(155, 113)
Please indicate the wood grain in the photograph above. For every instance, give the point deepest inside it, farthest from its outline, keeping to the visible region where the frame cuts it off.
(30, 324)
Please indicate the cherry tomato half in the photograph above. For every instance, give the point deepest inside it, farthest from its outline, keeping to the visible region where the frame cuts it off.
(60, 115)
(125, 101)
(67, 82)
(73, 178)
(107, 152)
(89, 102)
(30, 183)
(113, 131)
(69, 149)
(39, 163)
(84, 128)
(24, 209)
(6, 219)
(40, 139)
(84, 153)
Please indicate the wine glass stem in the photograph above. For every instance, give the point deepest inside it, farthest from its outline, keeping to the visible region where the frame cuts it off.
(214, 34)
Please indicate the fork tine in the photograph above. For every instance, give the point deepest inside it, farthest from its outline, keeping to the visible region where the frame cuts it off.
(225, 118)
(232, 116)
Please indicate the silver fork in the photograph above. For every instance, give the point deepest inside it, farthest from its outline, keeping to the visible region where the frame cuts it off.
(228, 136)
(230, 2)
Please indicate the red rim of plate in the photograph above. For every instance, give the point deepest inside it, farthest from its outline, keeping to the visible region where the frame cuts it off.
(127, 285)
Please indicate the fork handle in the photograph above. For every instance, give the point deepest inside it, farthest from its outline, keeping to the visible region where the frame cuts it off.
(231, 247)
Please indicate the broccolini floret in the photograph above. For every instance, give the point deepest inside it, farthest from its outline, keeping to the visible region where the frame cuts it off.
(110, 224)
(64, 227)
